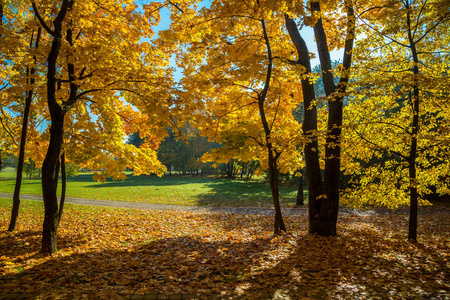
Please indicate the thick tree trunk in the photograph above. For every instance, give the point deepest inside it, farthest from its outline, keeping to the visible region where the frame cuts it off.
(23, 139)
(326, 208)
(313, 174)
(323, 196)
(50, 170)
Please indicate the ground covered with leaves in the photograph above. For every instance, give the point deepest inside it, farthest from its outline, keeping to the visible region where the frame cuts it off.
(111, 253)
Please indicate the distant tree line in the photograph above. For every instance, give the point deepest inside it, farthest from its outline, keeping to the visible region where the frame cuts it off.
(181, 153)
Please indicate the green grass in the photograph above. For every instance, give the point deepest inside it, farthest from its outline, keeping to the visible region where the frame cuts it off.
(165, 190)
(8, 174)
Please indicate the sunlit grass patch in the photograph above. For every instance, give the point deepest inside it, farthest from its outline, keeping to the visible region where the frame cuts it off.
(168, 190)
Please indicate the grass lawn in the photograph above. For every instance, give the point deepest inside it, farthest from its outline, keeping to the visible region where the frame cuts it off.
(164, 190)
(110, 253)
(8, 174)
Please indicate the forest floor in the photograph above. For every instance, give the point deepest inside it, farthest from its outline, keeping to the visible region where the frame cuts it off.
(124, 253)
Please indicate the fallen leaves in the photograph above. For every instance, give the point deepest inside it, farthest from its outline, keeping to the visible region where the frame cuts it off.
(112, 252)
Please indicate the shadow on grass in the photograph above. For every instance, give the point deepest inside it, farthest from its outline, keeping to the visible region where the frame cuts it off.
(220, 191)
(144, 180)
(200, 191)
(248, 195)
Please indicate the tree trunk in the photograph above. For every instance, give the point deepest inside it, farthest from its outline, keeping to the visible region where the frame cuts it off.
(323, 196)
(327, 206)
(50, 170)
(300, 200)
(272, 159)
(50, 167)
(273, 180)
(313, 174)
(413, 194)
(63, 186)
(23, 139)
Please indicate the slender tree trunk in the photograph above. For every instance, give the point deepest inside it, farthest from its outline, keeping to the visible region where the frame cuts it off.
(413, 194)
(273, 179)
(50, 167)
(272, 159)
(23, 139)
(300, 200)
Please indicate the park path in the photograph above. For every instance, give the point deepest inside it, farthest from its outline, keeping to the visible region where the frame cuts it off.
(151, 206)
(301, 210)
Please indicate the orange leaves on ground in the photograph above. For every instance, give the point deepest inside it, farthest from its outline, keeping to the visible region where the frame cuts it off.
(112, 252)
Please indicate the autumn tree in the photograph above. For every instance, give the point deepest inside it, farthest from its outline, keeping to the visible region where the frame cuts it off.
(30, 81)
(400, 100)
(323, 194)
(18, 43)
(243, 89)
(97, 67)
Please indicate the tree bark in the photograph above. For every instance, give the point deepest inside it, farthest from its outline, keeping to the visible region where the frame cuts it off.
(313, 174)
(50, 167)
(63, 186)
(300, 200)
(272, 154)
(323, 196)
(50, 170)
(413, 194)
(23, 139)
(274, 186)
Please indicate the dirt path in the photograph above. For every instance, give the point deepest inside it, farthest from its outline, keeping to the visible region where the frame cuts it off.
(424, 210)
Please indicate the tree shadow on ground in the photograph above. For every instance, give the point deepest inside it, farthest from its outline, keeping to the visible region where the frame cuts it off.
(141, 180)
(311, 267)
(340, 267)
(173, 265)
(19, 244)
(220, 191)
(245, 194)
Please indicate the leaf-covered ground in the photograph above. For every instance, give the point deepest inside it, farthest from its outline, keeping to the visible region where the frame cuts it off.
(110, 253)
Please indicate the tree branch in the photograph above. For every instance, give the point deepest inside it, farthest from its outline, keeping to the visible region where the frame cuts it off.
(38, 16)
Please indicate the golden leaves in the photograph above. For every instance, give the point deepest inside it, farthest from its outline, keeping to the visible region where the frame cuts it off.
(107, 252)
